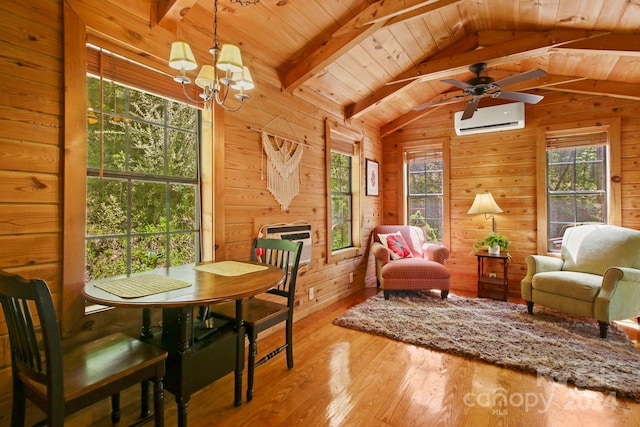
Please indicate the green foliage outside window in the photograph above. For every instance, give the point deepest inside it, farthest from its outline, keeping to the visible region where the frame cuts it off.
(142, 181)
(420, 221)
(425, 202)
(341, 229)
(576, 188)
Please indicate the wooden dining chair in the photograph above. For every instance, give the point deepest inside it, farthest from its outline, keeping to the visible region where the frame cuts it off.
(260, 314)
(63, 382)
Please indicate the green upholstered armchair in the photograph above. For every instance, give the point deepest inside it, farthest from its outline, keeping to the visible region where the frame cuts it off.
(597, 275)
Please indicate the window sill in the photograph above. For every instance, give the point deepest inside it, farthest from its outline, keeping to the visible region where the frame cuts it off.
(343, 254)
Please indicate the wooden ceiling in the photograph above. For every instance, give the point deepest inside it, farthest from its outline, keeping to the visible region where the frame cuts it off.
(343, 54)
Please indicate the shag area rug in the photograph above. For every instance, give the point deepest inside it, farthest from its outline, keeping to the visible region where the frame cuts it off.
(558, 346)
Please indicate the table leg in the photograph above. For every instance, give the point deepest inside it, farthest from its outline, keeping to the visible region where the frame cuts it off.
(183, 408)
(240, 353)
(145, 335)
(505, 288)
(177, 339)
(185, 342)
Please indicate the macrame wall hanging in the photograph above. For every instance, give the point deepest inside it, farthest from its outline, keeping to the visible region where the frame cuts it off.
(283, 165)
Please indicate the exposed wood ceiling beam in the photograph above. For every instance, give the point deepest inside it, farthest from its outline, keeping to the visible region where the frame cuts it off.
(452, 97)
(375, 16)
(616, 44)
(317, 60)
(383, 11)
(601, 87)
(511, 51)
(167, 13)
(411, 117)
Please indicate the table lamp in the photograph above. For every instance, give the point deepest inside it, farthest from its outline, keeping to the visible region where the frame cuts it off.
(485, 204)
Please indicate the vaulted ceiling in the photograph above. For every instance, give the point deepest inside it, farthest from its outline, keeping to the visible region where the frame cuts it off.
(378, 60)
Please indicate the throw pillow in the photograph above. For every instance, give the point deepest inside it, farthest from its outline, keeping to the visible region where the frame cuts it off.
(396, 243)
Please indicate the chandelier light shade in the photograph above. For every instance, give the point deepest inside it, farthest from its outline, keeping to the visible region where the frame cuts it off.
(243, 80)
(230, 59)
(227, 73)
(182, 59)
(484, 203)
(206, 77)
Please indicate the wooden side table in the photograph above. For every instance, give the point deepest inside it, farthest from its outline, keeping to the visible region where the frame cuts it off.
(492, 285)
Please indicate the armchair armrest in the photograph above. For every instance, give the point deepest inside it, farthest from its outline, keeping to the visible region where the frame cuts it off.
(380, 253)
(619, 296)
(537, 264)
(541, 263)
(435, 252)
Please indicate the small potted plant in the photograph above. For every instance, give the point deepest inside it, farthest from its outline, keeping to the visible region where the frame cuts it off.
(494, 242)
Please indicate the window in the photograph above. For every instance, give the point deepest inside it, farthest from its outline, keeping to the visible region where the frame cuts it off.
(142, 198)
(341, 221)
(343, 165)
(425, 192)
(578, 180)
(576, 186)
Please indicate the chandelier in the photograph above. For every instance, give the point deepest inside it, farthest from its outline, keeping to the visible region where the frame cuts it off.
(217, 81)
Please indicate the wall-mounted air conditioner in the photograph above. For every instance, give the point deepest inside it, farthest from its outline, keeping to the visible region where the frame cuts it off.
(296, 233)
(491, 119)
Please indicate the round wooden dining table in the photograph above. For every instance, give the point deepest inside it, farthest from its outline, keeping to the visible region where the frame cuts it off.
(197, 355)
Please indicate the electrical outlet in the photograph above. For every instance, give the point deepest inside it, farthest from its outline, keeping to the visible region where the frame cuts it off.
(493, 275)
(311, 293)
(351, 277)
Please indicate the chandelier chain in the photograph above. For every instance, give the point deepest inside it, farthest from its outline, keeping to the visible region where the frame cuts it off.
(215, 24)
(245, 2)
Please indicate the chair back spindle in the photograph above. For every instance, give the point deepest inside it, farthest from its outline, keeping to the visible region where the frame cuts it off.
(284, 254)
(37, 349)
(57, 382)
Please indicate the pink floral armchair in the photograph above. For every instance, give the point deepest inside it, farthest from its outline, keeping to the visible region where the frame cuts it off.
(404, 261)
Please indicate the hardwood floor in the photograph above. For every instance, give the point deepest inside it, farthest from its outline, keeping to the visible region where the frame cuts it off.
(349, 378)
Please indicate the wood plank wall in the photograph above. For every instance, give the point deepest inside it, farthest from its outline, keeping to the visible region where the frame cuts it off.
(31, 117)
(31, 93)
(31, 169)
(504, 163)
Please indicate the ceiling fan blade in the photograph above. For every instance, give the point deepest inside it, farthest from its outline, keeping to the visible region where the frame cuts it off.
(471, 107)
(441, 102)
(527, 75)
(457, 83)
(518, 96)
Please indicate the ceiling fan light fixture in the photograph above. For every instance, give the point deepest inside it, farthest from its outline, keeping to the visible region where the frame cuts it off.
(480, 86)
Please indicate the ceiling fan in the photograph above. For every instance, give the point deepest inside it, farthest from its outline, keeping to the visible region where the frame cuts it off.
(480, 86)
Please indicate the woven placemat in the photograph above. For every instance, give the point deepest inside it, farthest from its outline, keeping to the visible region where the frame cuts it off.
(141, 286)
(230, 268)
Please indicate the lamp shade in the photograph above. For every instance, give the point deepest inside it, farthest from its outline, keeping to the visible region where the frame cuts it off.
(484, 204)
(206, 77)
(243, 80)
(182, 57)
(230, 59)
